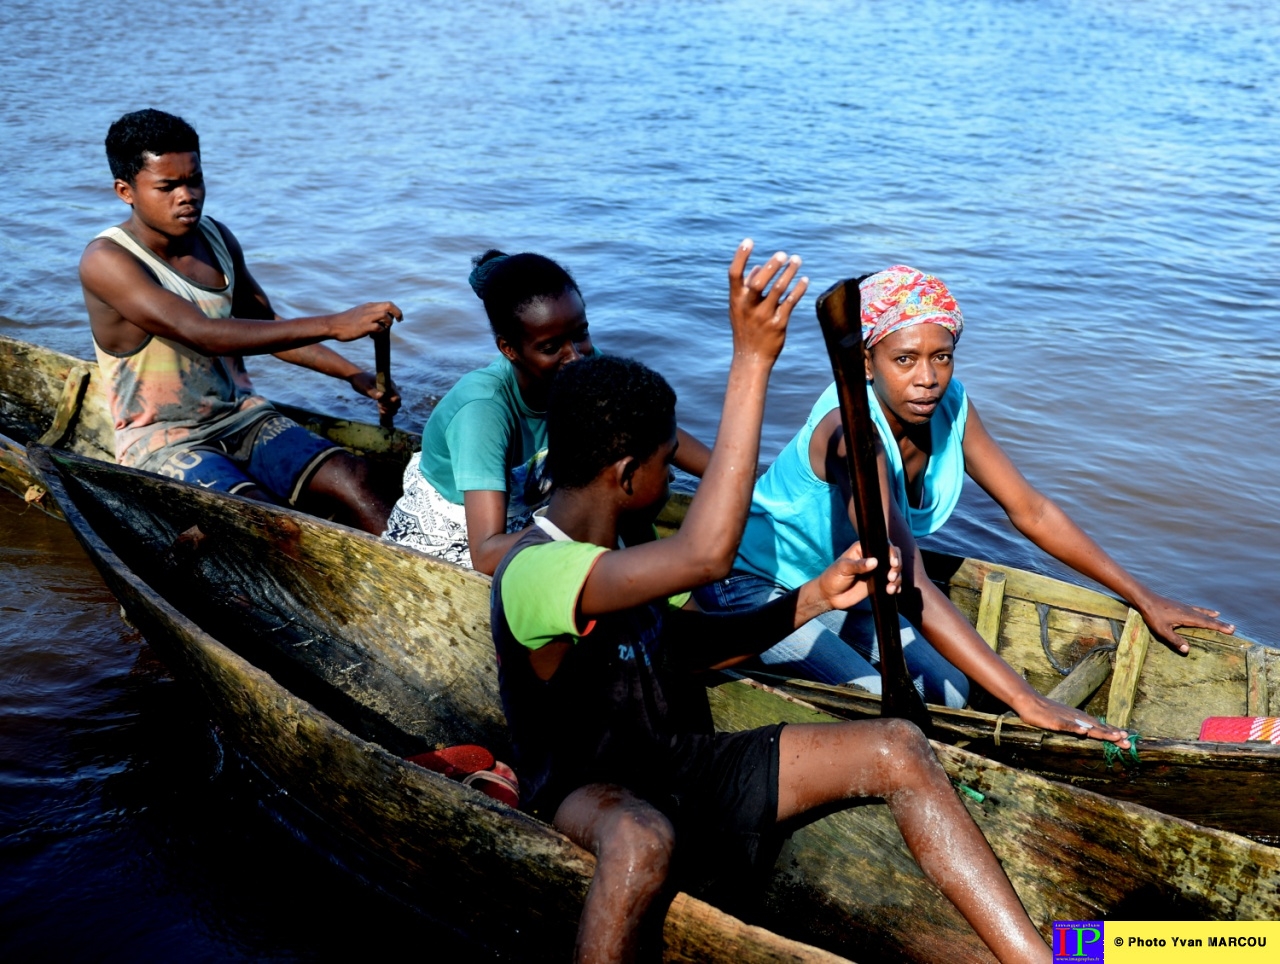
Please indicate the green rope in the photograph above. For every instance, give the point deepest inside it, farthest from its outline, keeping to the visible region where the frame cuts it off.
(1114, 754)
(970, 792)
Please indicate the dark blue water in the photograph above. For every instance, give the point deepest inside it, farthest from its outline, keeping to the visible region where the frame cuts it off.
(1095, 181)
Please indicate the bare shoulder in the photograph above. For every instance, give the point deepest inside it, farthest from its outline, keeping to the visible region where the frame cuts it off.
(103, 260)
(826, 445)
(988, 464)
(231, 241)
(114, 284)
(975, 431)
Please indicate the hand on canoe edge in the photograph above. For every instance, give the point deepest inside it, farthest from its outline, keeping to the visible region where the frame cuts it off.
(1162, 615)
(1058, 717)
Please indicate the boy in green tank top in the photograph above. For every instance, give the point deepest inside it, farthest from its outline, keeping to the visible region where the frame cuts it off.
(173, 308)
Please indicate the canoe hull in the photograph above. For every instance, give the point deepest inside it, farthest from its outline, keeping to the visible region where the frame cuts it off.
(488, 870)
(406, 655)
(58, 400)
(1229, 786)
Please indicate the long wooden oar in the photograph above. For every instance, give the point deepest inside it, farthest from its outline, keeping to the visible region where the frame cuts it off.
(382, 368)
(844, 345)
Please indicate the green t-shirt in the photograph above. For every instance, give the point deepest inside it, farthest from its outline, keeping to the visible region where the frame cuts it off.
(483, 437)
(540, 592)
(541, 587)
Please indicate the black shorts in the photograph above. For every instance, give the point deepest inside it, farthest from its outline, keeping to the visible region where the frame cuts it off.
(721, 795)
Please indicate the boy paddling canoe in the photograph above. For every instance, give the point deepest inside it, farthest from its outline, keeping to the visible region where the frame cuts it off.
(610, 728)
(173, 308)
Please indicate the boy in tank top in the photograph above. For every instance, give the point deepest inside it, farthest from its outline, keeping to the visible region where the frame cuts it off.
(609, 723)
(173, 308)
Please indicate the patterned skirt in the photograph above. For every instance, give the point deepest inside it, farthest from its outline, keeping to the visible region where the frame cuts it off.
(425, 520)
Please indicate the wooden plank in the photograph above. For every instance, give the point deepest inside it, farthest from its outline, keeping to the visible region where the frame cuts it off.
(68, 405)
(990, 606)
(1130, 656)
(1084, 680)
(1259, 698)
(278, 582)
(1029, 585)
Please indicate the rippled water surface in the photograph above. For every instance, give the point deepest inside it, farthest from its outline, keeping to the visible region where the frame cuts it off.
(1096, 182)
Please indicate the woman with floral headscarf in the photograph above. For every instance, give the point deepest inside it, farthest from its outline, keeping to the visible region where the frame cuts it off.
(930, 437)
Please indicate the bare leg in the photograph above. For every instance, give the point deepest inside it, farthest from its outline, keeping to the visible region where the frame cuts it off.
(825, 763)
(343, 482)
(632, 842)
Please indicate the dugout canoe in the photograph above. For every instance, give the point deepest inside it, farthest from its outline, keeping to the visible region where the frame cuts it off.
(57, 400)
(1091, 650)
(1044, 627)
(327, 655)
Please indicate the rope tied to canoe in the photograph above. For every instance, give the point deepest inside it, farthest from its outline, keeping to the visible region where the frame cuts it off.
(1000, 723)
(1042, 612)
(1114, 754)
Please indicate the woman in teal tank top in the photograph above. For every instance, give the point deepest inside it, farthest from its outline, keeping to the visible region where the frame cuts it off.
(930, 437)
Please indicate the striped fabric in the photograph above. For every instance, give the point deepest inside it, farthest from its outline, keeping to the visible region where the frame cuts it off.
(1241, 729)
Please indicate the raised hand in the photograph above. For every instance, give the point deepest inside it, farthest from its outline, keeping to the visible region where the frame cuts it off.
(1162, 615)
(362, 320)
(366, 383)
(1051, 715)
(760, 304)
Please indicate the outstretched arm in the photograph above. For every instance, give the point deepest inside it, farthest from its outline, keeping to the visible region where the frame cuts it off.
(1042, 521)
(252, 302)
(119, 290)
(760, 306)
(954, 637)
(692, 456)
(700, 640)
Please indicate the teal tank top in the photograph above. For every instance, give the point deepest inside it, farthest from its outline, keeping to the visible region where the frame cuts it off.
(798, 524)
(944, 475)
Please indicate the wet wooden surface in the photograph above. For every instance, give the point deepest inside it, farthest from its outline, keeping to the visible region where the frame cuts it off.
(366, 652)
(400, 663)
(1035, 621)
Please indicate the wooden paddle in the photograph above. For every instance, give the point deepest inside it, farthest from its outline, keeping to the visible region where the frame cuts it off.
(382, 368)
(844, 346)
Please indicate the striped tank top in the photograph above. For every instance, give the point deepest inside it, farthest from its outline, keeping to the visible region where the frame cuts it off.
(164, 396)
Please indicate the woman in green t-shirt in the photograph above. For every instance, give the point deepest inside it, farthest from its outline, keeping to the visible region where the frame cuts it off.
(479, 476)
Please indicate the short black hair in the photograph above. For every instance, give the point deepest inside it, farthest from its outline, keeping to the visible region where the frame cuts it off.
(506, 283)
(602, 409)
(146, 132)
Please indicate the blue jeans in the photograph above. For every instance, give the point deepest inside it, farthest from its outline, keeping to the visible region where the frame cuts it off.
(838, 647)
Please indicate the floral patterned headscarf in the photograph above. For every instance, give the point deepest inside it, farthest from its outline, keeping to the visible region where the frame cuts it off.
(900, 297)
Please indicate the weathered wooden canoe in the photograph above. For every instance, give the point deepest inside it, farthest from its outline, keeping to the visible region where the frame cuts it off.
(327, 655)
(1097, 653)
(57, 400)
(1041, 626)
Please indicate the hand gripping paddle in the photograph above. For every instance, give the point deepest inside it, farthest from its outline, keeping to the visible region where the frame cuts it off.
(382, 368)
(844, 345)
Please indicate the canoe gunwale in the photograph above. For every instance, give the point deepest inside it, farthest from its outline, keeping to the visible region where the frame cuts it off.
(35, 404)
(549, 861)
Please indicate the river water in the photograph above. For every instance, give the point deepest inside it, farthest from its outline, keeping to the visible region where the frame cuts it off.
(1095, 181)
